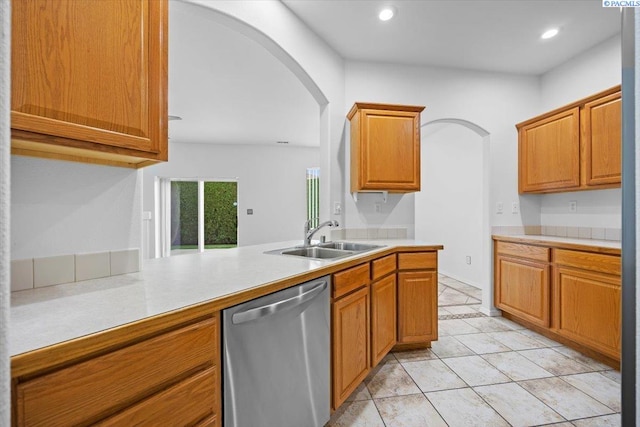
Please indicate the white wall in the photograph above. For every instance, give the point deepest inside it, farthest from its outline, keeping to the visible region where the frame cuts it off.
(5, 77)
(271, 181)
(449, 206)
(598, 208)
(63, 207)
(492, 101)
(590, 72)
(596, 69)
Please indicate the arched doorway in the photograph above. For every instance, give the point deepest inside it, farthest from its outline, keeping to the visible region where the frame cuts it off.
(453, 205)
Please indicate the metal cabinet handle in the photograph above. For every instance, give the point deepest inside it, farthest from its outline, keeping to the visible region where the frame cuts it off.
(267, 310)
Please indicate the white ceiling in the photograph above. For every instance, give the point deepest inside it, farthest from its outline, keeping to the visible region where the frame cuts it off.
(229, 90)
(491, 35)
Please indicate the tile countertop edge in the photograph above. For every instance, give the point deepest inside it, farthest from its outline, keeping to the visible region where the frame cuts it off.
(601, 246)
(49, 316)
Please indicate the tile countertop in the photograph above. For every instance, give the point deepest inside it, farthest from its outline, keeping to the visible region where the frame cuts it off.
(605, 246)
(46, 316)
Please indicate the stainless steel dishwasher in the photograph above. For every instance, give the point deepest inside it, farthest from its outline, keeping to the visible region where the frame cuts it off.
(276, 359)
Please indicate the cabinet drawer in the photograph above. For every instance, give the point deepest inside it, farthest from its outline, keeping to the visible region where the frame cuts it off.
(88, 391)
(417, 260)
(383, 266)
(587, 260)
(523, 251)
(185, 403)
(350, 280)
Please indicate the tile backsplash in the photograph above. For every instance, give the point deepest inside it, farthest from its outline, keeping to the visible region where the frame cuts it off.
(39, 272)
(595, 233)
(369, 233)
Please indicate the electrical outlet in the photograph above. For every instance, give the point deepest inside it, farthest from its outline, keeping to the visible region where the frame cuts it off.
(573, 206)
(378, 207)
(499, 207)
(469, 260)
(515, 208)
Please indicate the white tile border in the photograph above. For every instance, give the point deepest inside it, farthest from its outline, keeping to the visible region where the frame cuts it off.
(593, 233)
(48, 271)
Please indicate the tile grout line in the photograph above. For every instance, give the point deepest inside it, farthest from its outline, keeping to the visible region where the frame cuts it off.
(587, 394)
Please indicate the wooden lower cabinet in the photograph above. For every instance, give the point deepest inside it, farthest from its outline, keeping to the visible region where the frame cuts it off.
(172, 378)
(587, 309)
(350, 344)
(186, 403)
(523, 288)
(383, 317)
(571, 295)
(417, 306)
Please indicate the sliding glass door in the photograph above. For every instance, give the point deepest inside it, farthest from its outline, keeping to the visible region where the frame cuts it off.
(202, 215)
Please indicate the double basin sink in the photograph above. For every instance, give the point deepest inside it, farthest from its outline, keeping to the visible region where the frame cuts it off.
(329, 250)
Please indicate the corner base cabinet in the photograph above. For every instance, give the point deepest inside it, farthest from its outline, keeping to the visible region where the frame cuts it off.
(89, 80)
(389, 303)
(523, 284)
(569, 293)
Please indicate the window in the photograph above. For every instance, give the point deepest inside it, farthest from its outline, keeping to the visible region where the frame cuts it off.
(313, 196)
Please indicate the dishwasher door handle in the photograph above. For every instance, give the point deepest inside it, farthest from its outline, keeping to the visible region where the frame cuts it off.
(269, 309)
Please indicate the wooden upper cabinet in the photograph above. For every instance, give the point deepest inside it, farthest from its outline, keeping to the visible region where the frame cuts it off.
(602, 130)
(385, 147)
(576, 147)
(549, 153)
(89, 80)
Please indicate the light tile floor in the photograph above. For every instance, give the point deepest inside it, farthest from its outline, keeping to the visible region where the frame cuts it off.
(483, 371)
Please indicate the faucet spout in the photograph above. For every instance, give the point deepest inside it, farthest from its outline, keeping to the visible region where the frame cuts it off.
(309, 232)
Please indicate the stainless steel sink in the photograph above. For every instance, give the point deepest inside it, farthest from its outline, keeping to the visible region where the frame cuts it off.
(350, 246)
(317, 252)
(329, 250)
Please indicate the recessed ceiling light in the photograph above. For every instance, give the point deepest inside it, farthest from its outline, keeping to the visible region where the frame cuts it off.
(549, 33)
(387, 13)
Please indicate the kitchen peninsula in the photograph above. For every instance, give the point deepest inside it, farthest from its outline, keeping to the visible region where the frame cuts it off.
(153, 337)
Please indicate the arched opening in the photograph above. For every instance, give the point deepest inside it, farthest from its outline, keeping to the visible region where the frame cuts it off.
(232, 119)
(453, 205)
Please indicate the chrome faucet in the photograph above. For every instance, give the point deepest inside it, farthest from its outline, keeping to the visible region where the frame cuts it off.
(309, 232)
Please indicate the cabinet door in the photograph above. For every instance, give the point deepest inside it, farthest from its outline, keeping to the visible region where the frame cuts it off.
(549, 153)
(417, 306)
(90, 72)
(587, 309)
(389, 151)
(383, 317)
(83, 393)
(350, 329)
(522, 289)
(602, 136)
